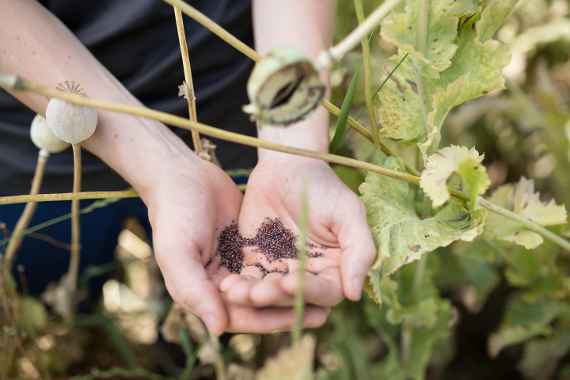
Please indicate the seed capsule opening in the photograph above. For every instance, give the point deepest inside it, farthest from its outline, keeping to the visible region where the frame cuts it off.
(284, 88)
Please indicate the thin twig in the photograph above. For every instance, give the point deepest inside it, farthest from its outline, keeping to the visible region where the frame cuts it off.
(19, 84)
(189, 92)
(24, 220)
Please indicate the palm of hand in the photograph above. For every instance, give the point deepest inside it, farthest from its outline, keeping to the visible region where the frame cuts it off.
(191, 210)
(276, 191)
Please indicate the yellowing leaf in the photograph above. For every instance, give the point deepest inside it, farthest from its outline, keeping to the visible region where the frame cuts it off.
(476, 71)
(523, 200)
(442, 165)
(403, 236)
(400, 28)
(294, 363)
(401, 109)
(493, 17)
(459, 66)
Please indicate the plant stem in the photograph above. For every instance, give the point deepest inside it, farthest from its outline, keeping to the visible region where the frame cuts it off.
(188, 84)
(535, 227)
(255, 56)
(20, 84)
(244, 49)
(337, 52)
(365, 42)
(207, 23)
(26, 85)
(23, 222)
(14, 199)
(73, 271)
(302, 256)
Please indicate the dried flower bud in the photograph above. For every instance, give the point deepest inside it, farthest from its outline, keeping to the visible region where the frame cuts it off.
(43, 137)
(283, 88)
(71, 123)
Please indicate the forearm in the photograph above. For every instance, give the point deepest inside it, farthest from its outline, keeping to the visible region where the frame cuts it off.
(38, 46)
(307, 26)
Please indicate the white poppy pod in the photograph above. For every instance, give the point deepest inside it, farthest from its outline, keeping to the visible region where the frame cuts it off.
(71, 123)
(43, 137)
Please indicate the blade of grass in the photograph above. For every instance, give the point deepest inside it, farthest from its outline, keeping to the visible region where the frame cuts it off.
(342, 120)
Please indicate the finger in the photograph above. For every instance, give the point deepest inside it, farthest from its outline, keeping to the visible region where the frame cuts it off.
(246, 319)
(240, 290)
(323, 289)
(315, 265)
(358, 251)
(253, 271)
(228, 282)
(269, 292)
(190, 286)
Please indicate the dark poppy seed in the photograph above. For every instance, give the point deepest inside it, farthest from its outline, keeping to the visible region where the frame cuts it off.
(230, 244)
(272, 239)
(275, 241)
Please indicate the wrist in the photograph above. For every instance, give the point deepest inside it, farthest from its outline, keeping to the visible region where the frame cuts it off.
(310, 134)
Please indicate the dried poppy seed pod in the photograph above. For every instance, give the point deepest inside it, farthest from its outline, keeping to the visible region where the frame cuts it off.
(283, 88)
(71, 123)
(43, 137)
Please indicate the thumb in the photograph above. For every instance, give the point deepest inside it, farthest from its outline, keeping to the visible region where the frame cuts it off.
(189, 285)
(357, 248)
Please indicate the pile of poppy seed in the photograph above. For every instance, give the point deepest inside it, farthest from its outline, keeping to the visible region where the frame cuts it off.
(272, 239)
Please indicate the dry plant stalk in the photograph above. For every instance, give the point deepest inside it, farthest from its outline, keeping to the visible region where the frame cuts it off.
(23, 222)
(188, 85)
(75, 258)
(20, 84)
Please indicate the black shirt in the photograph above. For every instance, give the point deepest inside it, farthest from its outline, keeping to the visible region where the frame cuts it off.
(136, 41)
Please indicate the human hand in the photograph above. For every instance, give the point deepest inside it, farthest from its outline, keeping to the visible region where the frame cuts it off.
(337, 233)
(190, 204)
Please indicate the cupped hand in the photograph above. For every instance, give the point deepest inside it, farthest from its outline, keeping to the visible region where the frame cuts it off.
(190, 204)
(340, 244)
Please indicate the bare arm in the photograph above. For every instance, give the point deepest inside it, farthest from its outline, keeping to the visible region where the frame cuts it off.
(305, 25)
(36, 45)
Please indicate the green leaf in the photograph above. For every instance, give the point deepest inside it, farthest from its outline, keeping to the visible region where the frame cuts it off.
(400, 108)
(459, 67)
(402, 236)
(342, 120)
(471, 266)
(400, 28)
(411, 306)
(522, 321)
(476, 71)
(454, 160)
(523, 200)
(493, 16)
(541, 356)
